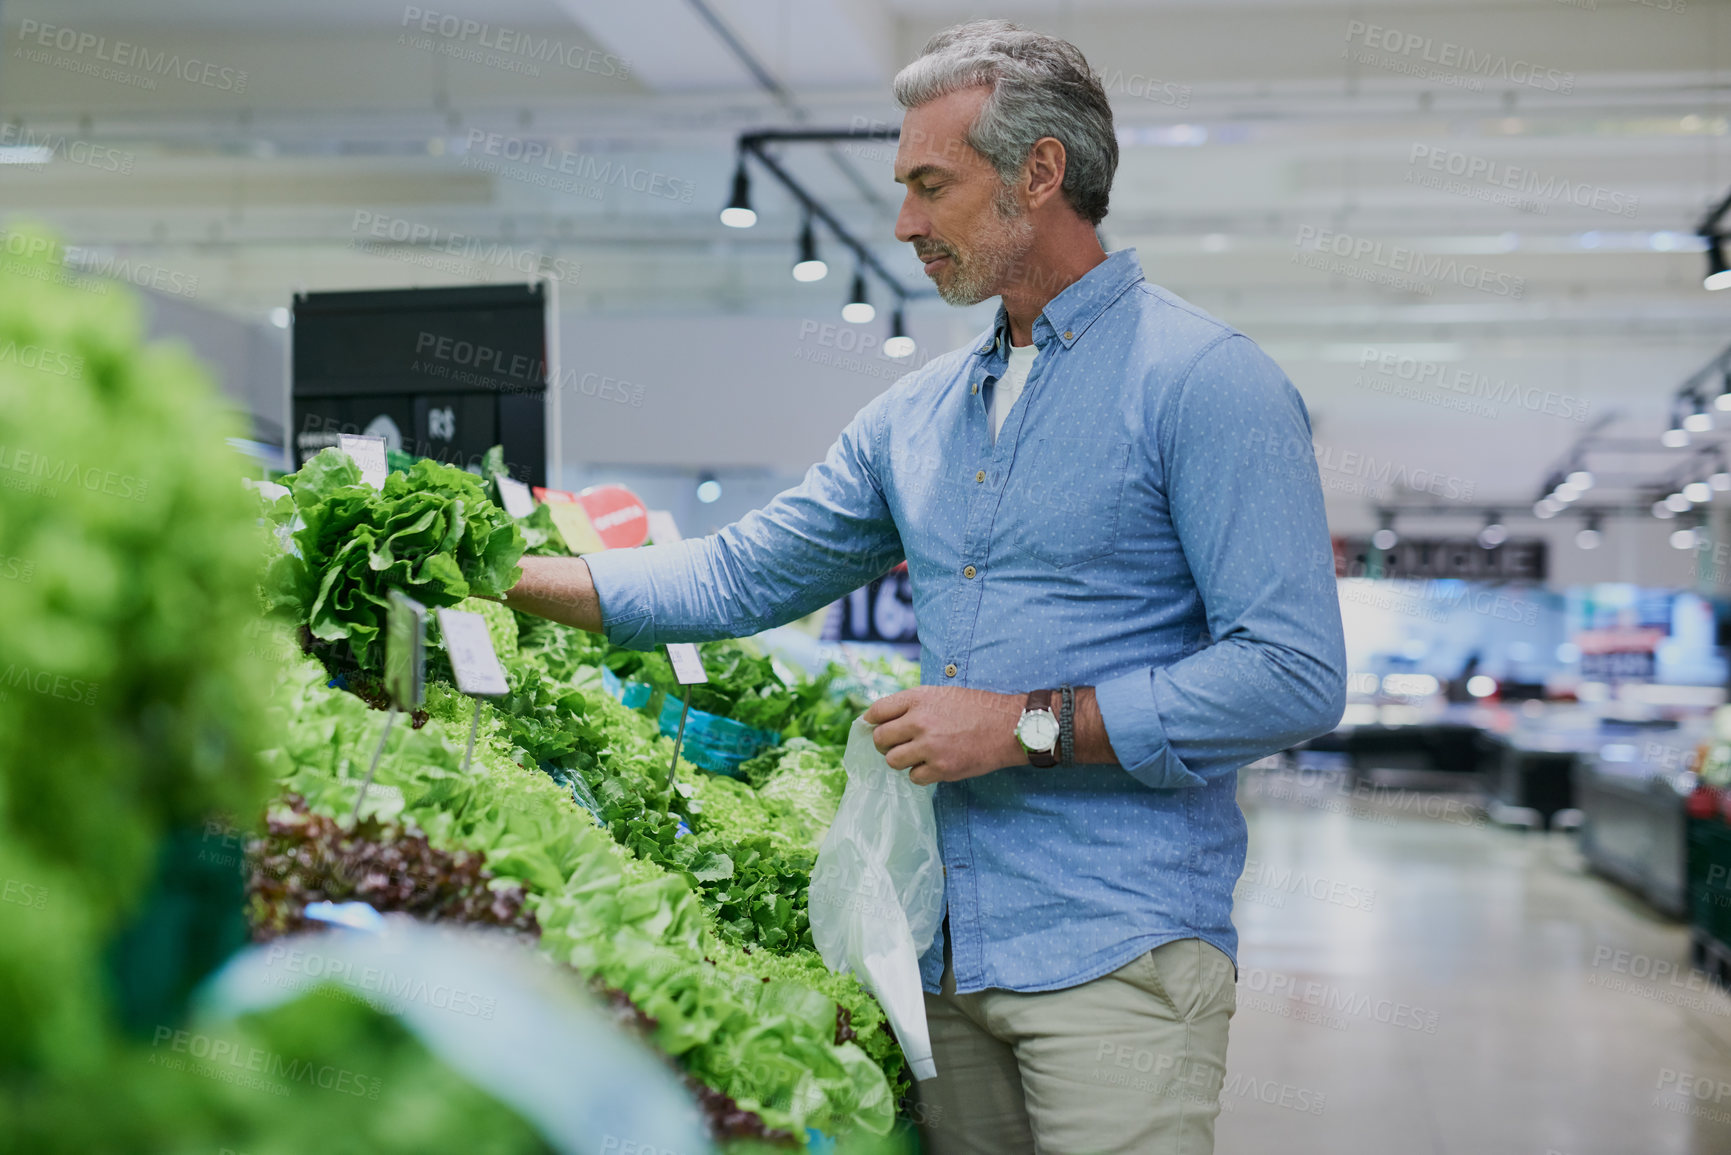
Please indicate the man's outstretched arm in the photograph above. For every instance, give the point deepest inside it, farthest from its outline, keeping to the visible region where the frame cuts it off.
(559, 588)
(809, 546)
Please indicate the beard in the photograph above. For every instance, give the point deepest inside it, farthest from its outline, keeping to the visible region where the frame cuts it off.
(980, 271)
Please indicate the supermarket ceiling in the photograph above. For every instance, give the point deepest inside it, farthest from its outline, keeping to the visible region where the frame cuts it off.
(1250, 129)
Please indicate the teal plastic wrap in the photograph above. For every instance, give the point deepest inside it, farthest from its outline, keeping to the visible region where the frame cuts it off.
(634, 694)
(715, 743)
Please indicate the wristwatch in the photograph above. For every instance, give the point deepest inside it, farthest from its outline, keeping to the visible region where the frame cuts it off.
(1037, 730)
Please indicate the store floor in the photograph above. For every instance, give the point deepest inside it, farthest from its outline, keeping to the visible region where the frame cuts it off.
(1434, 986)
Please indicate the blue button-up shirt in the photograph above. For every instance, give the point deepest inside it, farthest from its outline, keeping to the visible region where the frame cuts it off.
(1149, 522)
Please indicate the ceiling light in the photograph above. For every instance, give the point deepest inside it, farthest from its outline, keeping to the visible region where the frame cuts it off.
(1675, 437)
(1698, 422)
(1677, 503)
(1720, 481)
(858, 310)
(899, 344)
(279, 317)
(1494, 533)
(1565, 493)
(1683, 539)
(1588, 538)
(809, 267)
(708, 489)
(1718, 273)
(1385, 538)
(1580, 479)
(1698, 492)
(738, 214)
(1546, 507)
(1662, 511)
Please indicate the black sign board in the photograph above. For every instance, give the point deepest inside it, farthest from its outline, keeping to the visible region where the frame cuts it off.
(1516, 560)
(440, 373)
(882, 612)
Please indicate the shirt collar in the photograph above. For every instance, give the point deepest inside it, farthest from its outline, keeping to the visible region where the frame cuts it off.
(1068, 315)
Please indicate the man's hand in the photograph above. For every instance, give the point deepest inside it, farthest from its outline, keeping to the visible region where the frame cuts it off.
(947, 733)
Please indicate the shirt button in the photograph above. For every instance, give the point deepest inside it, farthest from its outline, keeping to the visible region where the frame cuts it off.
(950, 670)
(980, 476)
(969, 572)
(1069, 336)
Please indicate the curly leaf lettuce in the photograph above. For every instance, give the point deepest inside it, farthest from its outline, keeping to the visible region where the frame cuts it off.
(760, 1027)
(431, 532)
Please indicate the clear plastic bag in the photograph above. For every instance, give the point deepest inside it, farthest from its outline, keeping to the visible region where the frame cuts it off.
(877, 892)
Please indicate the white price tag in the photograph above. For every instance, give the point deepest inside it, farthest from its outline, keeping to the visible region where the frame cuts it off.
(687, 663)
(470, 648)
(662, 528)
(369, 454)
(515, 496)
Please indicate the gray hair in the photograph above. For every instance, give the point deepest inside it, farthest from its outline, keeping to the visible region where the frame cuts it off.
(1041, 86)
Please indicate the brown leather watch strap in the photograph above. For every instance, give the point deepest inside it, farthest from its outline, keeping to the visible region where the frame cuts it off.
(1041, 700)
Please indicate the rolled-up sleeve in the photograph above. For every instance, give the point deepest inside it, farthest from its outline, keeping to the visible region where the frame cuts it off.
(809, 546)
(1241, 482)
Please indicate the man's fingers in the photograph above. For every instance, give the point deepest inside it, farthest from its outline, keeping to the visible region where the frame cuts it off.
(904, 756)
(889, 706)
(894, 733)
(923, 775)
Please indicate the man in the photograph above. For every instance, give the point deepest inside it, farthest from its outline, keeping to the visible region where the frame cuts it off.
(1093, 497)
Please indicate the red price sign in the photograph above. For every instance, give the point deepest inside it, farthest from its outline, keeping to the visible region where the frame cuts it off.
(617, 514)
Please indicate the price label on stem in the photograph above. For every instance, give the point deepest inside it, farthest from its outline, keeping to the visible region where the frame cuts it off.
(687, 663)
(470, 648)
(514, 496)
(405, 651)
(369, 454)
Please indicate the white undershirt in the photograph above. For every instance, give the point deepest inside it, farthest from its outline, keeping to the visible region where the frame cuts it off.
(1009, 386)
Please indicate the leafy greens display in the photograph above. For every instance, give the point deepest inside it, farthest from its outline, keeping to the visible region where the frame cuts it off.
(629, 920)
(686, 895)
(430, 532)
(743, 684)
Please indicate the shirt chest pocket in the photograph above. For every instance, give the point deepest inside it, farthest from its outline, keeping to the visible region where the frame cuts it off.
(1069, 495)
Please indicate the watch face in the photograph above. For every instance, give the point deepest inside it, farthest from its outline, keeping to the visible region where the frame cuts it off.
(1038, 730)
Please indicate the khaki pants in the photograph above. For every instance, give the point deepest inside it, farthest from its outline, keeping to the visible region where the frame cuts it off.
(1131, 1062)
